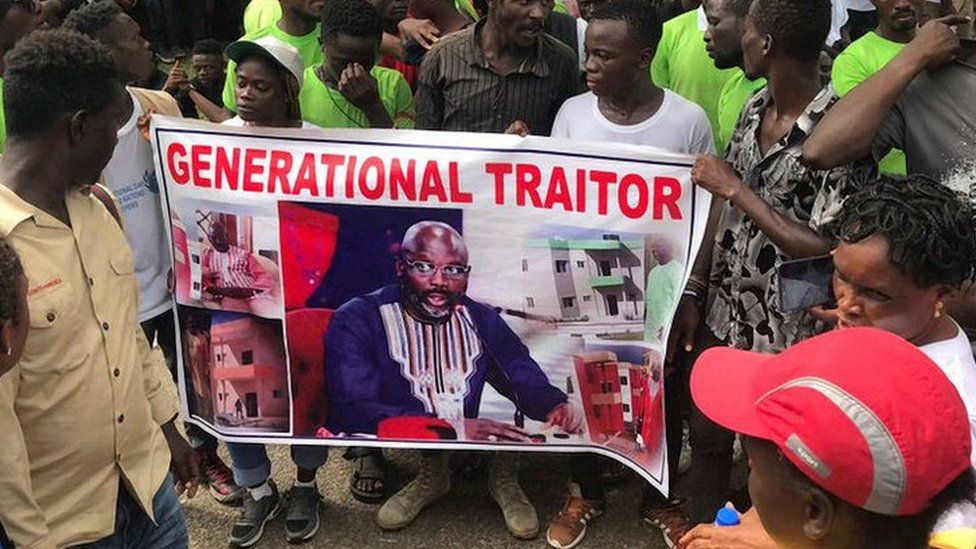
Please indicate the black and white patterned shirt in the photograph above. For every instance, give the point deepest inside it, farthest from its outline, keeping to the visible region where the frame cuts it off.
(743, 304)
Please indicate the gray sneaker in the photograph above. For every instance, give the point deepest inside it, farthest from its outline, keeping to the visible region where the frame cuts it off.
(249, 526)
(302, 518)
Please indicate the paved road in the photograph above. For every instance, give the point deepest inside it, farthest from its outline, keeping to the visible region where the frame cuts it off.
(465, 518)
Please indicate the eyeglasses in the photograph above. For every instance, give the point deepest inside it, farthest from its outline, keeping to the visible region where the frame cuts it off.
(426, 268)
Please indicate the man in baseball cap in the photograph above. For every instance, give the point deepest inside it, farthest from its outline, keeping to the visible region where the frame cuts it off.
(855, 438)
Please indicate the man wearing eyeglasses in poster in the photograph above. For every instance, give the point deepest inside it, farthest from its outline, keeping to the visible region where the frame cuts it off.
(421, 347)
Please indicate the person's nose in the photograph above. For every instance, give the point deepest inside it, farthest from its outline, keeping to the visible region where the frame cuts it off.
(590, 65)
(438, 278)
(847, 301)
(537, 11)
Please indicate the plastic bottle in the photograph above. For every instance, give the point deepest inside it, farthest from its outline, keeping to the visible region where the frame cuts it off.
(727, 517)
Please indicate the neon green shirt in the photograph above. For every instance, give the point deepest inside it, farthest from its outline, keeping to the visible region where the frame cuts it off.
(861, 60)
(327, 108)
(682, 65)
(308, 47)
(661, 294)
(260, 14)
(736, 92)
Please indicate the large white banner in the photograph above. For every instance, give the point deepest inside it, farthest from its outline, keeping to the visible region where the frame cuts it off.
(426, 289)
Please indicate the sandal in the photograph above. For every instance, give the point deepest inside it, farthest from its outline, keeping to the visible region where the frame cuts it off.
(369, 470)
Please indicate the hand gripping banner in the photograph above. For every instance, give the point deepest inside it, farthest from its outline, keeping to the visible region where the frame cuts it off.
(424, 289)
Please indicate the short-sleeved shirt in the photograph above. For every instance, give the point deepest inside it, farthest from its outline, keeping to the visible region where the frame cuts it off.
(861, 60)
(934, 122)
(326, 107)
(744, 295)
(682, 65)
(460, 91)
(736, 92)
(678, 126)
(260, 14)
(308, 47)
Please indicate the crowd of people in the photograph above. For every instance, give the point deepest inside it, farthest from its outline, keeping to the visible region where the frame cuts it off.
(858, 416)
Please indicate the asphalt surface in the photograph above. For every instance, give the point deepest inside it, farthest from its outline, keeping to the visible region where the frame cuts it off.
(465, 518)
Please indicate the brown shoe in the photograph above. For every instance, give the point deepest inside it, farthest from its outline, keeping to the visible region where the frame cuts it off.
(568, 527)
(671, 521)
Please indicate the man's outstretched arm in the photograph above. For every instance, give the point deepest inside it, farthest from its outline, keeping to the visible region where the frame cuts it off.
(846, 133)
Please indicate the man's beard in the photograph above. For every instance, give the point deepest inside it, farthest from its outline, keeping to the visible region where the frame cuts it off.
(417, 305)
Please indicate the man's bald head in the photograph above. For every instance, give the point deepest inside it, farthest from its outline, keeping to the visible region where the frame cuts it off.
(433, 268)
(424, 235)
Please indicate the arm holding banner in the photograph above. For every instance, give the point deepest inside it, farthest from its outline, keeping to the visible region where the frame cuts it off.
(795, 239)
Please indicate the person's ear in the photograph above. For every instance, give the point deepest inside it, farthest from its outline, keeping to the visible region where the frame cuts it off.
(646, 57)
(820, 514)
(77, 126)
(768, 44)
(400, 266)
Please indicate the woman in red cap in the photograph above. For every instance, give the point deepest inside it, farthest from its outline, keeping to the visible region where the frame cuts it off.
(903, 248)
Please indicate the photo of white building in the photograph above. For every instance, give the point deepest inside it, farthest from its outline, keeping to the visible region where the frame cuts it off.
(592, 277)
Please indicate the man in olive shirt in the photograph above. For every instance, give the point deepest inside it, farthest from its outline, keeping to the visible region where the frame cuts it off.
(88, 414)
(503, 74)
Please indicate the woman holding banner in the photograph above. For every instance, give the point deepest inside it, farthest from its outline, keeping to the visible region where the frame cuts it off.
(268, 79)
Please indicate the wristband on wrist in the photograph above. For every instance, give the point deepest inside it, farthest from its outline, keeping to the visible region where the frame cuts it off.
(698, 297)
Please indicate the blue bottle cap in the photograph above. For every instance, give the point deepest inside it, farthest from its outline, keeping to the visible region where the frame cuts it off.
(727, 517)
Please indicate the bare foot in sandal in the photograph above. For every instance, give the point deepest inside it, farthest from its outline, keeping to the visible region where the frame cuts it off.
(367, 483)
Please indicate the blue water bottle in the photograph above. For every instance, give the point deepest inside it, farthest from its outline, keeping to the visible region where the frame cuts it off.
(727, 517)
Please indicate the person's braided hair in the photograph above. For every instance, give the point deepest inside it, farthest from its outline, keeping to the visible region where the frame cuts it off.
(929, 228)
(10, 272)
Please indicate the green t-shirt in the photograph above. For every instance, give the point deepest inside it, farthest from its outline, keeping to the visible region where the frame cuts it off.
(308, 48)
(661, 294)
(861, 60)
(683, 66)
(737, 91)
(260, 14)
(328, 108)
(3, 122)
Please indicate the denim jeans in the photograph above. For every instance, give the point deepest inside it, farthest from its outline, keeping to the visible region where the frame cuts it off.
(134, 528)
(252, 467)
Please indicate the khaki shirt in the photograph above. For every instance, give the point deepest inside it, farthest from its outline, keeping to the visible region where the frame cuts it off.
(83, 407)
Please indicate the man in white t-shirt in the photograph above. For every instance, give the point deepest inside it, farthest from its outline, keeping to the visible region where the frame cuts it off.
(131, 176)
(623, 105)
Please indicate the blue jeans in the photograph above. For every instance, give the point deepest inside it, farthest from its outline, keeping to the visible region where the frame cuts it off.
(134, 528)
(252, 467)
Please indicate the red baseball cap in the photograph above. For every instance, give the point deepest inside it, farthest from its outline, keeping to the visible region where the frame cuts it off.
(863, 413)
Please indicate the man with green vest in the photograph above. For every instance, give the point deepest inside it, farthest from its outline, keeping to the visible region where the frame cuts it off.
(897, 20)
(723, 37)
(683, 66)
